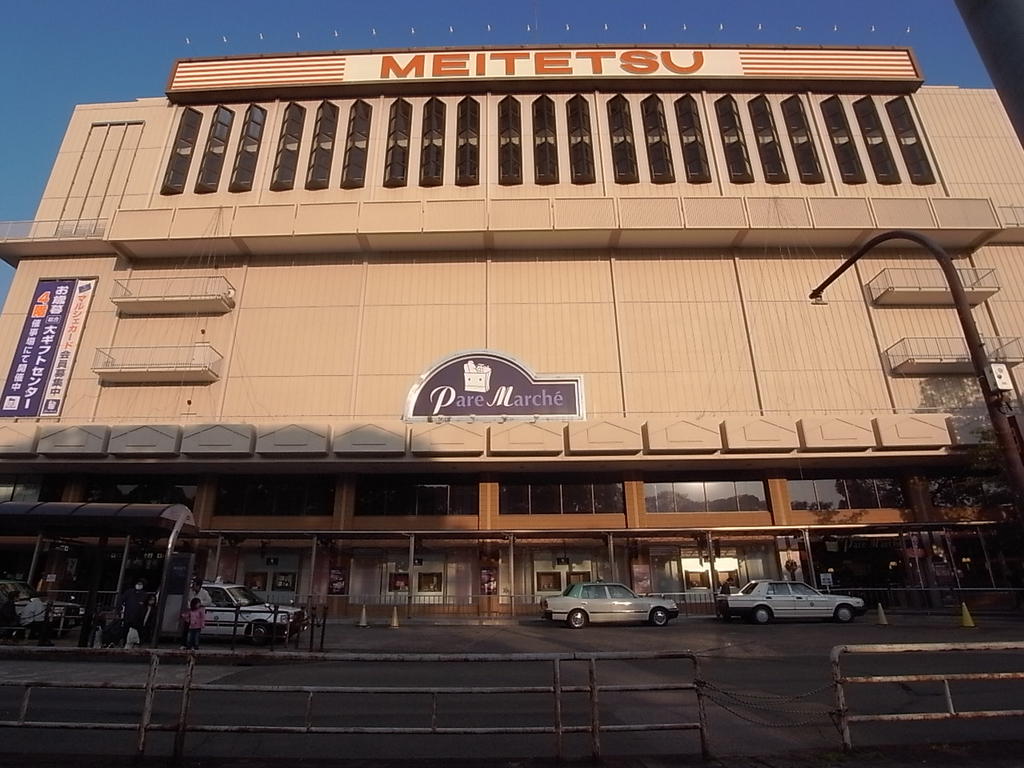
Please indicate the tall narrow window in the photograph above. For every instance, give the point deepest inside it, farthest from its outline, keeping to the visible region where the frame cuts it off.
(287, 160)
(620, 126)
(396, 158)
(807, 165)
(510, 149)
(879, 154)
(216, 146)
(850, 169)
(181, 153)
(432, 148)
(467, 143)
(581, 146)
(357, 145)
(768, 147)
(909, 140)
(736, 160)
(545, 148)
(244, 172)
(322, 155)
(659, 153)
(691, 135)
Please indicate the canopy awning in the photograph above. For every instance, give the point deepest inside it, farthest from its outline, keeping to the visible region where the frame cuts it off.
(93, 519)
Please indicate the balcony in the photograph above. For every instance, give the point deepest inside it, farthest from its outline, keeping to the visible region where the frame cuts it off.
(212, 295)
(949, 355)
(928, 286)
(193, 364)
(52, 238)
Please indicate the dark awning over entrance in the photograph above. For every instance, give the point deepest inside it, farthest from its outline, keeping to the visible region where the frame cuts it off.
(92, 519)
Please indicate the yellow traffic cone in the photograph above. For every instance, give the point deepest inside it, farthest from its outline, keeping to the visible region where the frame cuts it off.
(362, 618)
(394, 618)
(881, 620)
(965, 617)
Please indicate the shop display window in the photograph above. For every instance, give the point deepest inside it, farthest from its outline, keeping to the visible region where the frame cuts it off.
(549, 581)
(428, 582)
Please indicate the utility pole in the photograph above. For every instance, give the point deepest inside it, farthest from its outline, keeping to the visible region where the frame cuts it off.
(997, 28)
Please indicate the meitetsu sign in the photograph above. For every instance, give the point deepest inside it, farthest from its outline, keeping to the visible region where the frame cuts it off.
(486, 385)
(320, 71)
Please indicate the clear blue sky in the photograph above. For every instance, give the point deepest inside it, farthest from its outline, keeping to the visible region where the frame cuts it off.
(55, 54)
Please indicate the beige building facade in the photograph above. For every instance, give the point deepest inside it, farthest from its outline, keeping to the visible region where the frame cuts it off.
(455, 329)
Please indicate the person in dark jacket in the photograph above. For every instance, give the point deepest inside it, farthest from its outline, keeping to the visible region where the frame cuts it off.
(132, 605)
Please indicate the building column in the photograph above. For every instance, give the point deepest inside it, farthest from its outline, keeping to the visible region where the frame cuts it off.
(487, 514)
(635, 503)
(778, 500)
(344, 502)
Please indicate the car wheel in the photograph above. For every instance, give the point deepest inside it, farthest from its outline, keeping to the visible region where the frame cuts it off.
(576, 619)
(761, 615)
(658, 617)
(259, 632)
(843, 614)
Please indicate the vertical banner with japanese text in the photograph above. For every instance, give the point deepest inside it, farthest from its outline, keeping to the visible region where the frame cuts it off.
(40, 372)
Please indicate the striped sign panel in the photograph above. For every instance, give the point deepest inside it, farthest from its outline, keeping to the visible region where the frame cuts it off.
(834, 64)
(261, 72)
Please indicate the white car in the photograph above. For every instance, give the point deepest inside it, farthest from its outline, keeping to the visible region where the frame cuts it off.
(256, 620)
(764, 600)
(599, 602)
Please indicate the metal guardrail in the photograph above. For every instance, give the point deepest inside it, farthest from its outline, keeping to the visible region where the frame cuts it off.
(192, 286)
(939, 599)
(147, 722)
(201, 356)
(931, 278)
(70, 229)
(841, 681)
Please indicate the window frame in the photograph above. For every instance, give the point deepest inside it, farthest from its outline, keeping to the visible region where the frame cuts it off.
(247, 154)
(357, 145)
(734, 143)
(467, 143)
(432, 143)
(289, 144)
(510, 142)
(545, 141)
(212, 164)
(769, 148)
(801, 141)
(182, 150)
(397, 156)
(872, 131)
(691, 140)
(325, 136)
(623, 144)
(659, 148)
(582, 169)
(910, 141)
(844, 148)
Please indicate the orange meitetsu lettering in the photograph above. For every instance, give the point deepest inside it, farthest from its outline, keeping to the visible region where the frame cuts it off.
(596, 59)
(510, 60)
(447, 64)
(552, 63)
(671, 66)
(390, 67)
(638, 62)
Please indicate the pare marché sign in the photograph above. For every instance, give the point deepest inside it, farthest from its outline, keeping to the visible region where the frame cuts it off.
(486, 385)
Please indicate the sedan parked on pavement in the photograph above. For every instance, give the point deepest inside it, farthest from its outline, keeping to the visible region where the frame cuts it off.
(600, 602)
(763, 600)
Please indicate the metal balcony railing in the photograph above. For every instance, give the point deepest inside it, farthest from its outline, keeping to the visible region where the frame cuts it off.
(169, 365)
(927, 285)
(61, 229)
(211, 294)
(949, 355)
(1012, 215)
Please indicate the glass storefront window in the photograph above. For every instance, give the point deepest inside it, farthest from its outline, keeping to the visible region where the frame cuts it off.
(827, 494)
(143, 490)
(389, 495)
(711, 496)
(285, 496)
(561, 498)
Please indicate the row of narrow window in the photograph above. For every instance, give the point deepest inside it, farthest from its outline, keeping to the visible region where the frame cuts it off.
(623, 145)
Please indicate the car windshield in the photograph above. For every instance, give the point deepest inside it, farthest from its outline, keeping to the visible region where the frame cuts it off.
(573, 590)
(244, 596)
(750, 587)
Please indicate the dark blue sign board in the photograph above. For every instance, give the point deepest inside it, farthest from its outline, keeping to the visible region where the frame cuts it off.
(486, 385)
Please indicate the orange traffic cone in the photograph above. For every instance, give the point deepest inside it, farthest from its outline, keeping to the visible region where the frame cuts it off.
(881, 620)
(394, 618)
(965, 617)
(362, 618)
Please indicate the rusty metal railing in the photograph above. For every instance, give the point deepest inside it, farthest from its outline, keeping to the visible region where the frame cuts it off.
(846, 719)
(187, 688)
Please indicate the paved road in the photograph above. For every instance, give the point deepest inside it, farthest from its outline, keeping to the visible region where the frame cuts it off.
(748, 668)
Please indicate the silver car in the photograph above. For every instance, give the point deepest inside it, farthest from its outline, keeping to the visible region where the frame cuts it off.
(601, 602)
(763, 600)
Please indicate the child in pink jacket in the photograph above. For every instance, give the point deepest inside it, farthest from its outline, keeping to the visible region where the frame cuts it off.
(194, 619)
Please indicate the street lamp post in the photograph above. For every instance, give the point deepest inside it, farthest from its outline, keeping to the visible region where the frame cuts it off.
(979, 359)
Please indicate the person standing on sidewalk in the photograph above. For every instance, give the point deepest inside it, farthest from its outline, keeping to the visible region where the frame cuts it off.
(194, 619)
